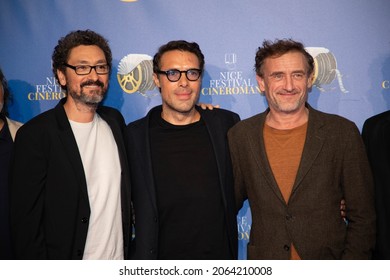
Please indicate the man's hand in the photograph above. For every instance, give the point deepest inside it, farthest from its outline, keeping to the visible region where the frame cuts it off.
(343, 207)
(206, 106)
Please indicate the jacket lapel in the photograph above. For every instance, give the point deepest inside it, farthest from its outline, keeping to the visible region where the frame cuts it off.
(69, 144)
(118, 136)
(315, 137)
(257, 146)
(141, 142)
(218, 142)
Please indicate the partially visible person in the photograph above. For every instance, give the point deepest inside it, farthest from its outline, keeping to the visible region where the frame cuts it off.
(376, 136)
(73, 199)
(8, 130)
(181, 171)
(295, 164)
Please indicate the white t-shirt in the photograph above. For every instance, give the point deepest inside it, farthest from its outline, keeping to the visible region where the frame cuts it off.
(99, 154)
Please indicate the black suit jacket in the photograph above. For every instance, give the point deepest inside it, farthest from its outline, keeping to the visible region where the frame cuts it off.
(376, 136)
(49, 200)
(218, 122)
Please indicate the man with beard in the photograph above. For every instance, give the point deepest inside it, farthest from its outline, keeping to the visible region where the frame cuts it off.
(294, 164)
(70, 186)
(180, 166)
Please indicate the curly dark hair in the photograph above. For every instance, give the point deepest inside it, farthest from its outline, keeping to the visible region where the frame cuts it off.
(180, 45)
(74, 39)
(6, 93)
(278, 48)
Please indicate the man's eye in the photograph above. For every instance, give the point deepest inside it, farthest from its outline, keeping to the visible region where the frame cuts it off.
(193, 72)
(278, 76)
(172, 73)
(298, 76)
(82, 67)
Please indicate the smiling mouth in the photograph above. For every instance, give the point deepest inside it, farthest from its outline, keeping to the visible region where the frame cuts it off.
(94, 87)
(184, 94)
(92, 84)
(288, 93)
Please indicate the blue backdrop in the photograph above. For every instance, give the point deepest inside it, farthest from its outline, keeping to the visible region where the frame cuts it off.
(349, 39)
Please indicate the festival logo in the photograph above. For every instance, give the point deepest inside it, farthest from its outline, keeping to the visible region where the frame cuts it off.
(325, 68)
(230, 81)
(135, 74)
(50, 90)
(230, 61)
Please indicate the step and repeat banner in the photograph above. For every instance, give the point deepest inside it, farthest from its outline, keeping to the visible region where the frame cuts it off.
(349, 40)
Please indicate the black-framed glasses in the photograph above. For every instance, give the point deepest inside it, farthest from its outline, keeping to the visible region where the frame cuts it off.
(100, 69)
(173, 75)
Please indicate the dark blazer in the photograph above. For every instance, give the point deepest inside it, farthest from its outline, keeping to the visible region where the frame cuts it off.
(376, 136)
(143, 189)
(49, 200)
(7, 135)
(333, 165)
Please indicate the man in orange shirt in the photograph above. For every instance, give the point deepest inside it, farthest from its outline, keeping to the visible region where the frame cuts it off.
(295, 164)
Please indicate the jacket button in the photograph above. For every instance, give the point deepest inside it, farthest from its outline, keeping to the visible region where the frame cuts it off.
(79, 252)
(289, 217)
(286, 247)
(84, 220)
(152, 251)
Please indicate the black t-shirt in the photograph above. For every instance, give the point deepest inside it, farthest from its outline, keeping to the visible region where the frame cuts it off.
(191, 217)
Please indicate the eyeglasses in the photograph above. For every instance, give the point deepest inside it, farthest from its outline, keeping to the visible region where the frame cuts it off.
(173, 75)
(100, 69)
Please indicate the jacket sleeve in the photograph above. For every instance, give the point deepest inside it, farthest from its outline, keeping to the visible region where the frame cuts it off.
(239, 186)
(27, 190)
(376, 136)
(359, 195)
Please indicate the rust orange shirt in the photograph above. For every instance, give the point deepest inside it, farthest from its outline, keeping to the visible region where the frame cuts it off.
(284, 150)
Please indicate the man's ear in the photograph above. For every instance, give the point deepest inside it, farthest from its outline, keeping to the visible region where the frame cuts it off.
(260, 82)
(310, 80)
(156, 80)
(61, 77)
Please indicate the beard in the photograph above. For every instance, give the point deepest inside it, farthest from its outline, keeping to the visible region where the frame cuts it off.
(289, 106)
(91, 98)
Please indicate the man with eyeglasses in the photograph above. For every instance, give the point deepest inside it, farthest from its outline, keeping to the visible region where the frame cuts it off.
(73, 198)
(182, 185)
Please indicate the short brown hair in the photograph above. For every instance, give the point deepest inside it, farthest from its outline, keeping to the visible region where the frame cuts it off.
(277, 48)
